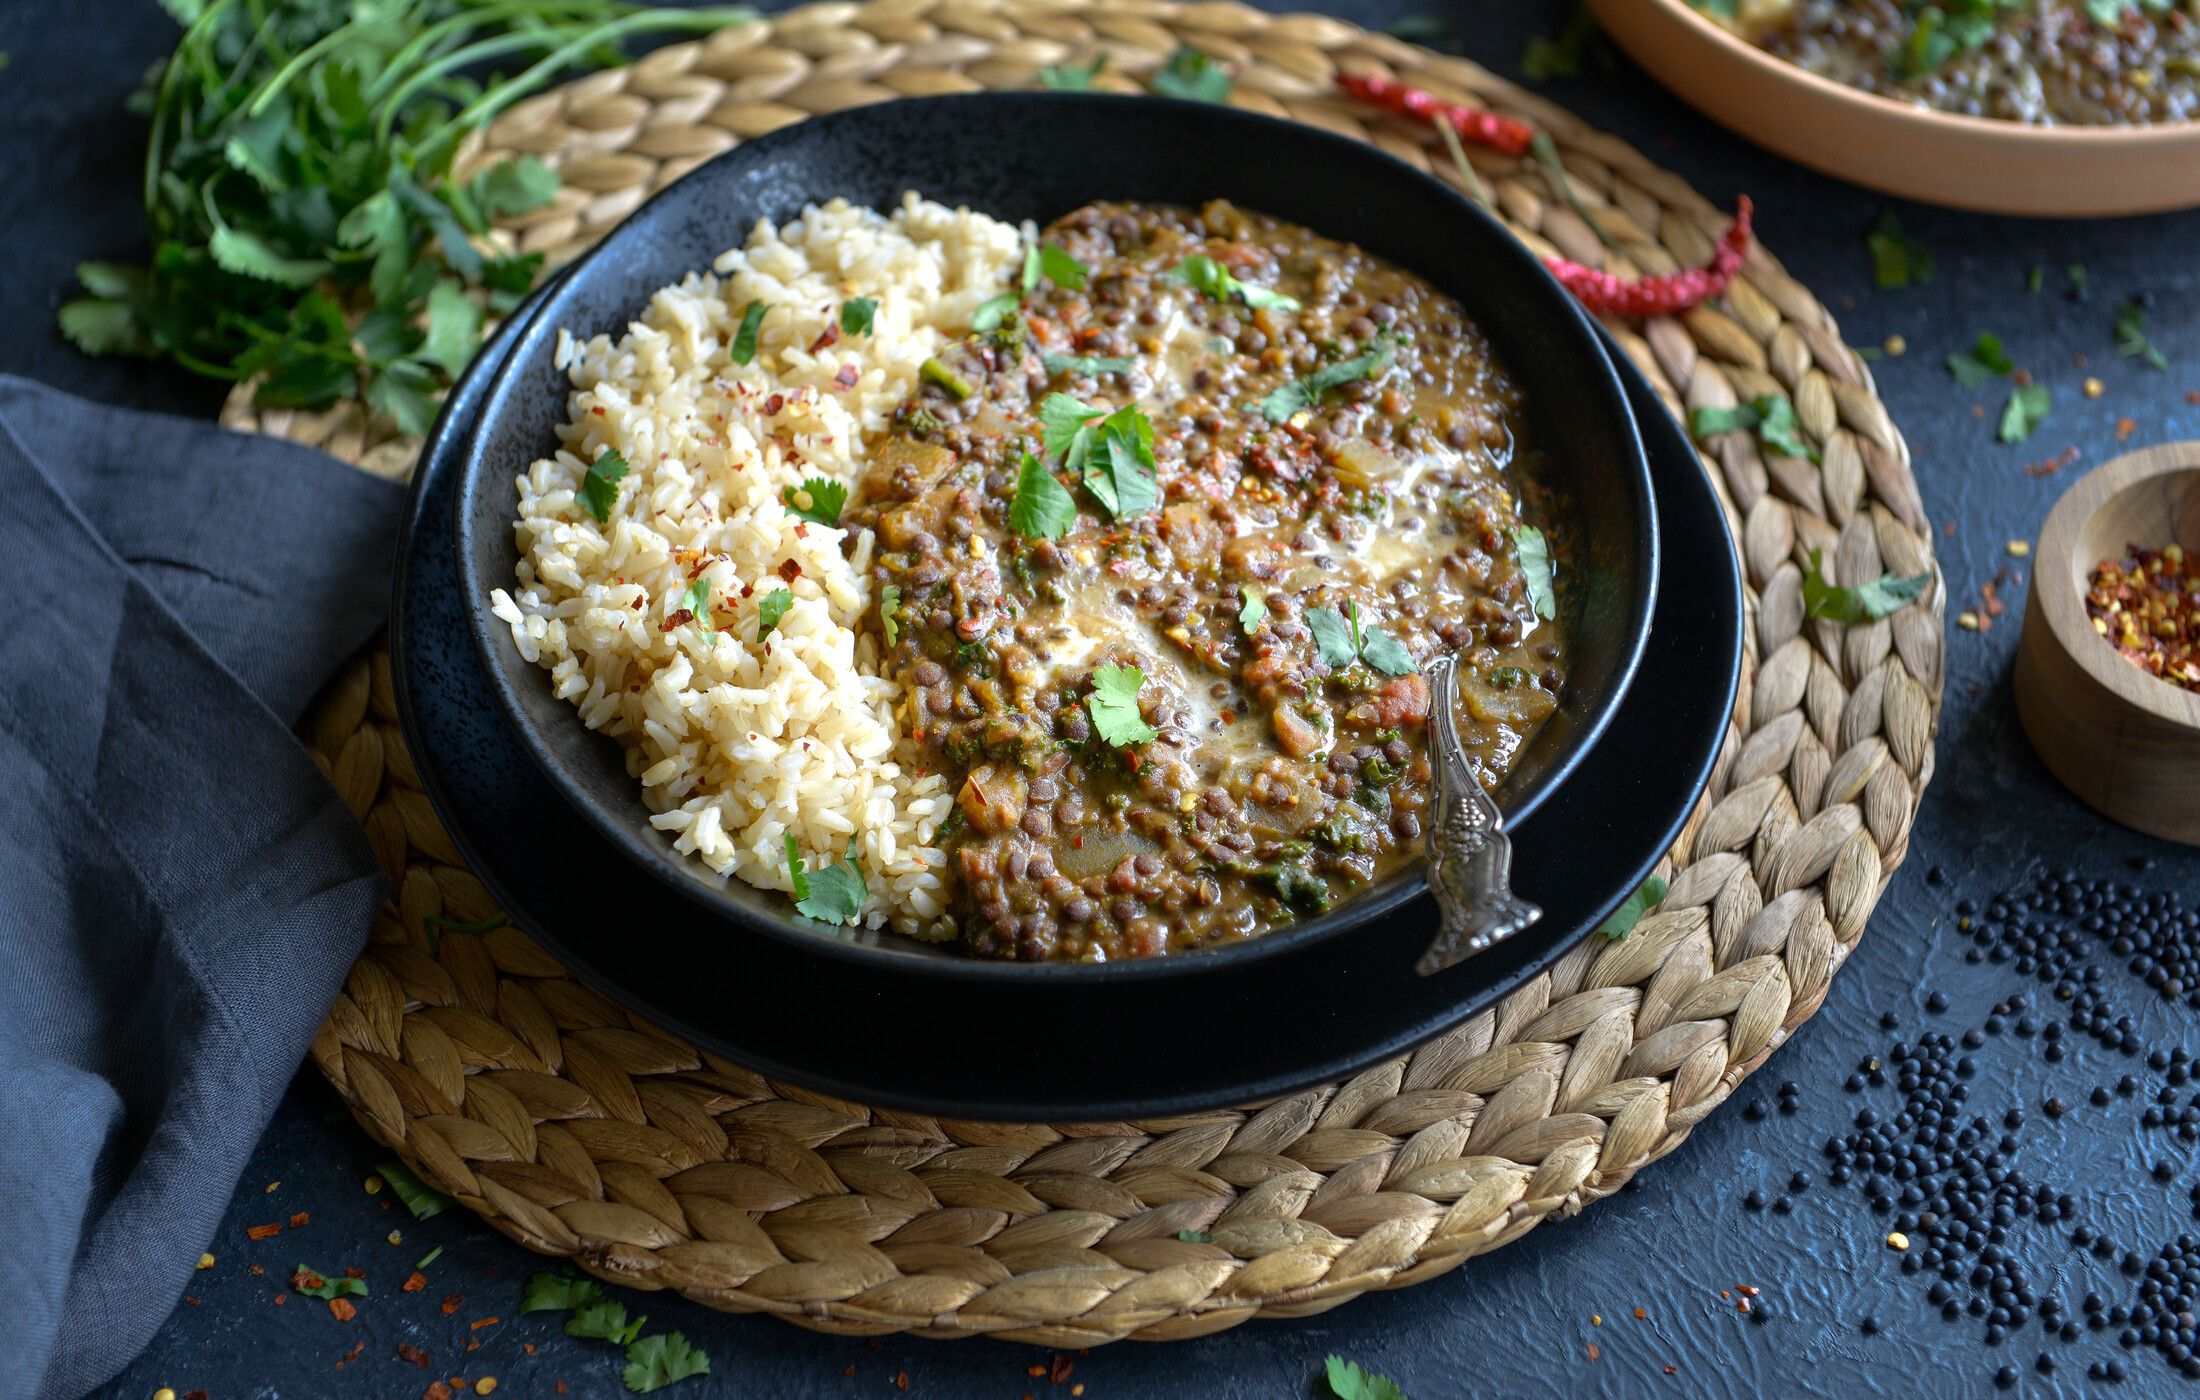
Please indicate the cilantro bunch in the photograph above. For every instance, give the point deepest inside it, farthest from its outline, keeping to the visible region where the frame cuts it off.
(306, 230)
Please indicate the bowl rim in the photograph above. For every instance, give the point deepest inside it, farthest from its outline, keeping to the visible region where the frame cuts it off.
(2064, 606)
(2070, 140)
(854, 944)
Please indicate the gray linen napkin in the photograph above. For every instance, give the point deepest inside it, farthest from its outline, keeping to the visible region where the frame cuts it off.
(180, 890)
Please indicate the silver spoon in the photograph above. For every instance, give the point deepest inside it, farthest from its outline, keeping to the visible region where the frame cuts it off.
(1469, 855)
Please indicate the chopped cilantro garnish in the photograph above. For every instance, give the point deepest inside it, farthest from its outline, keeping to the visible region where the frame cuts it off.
(2078, 277)
(422, 1200)
(1622, 920)
(817, 500)
(548, 1292)
(1085, 364)
(1254, 612)
(656, 1362)
(604, 1320)
(992, 311)
(1066, 429)
(1341, 640)
(1536, 568)
(2131, 336)
(1121, 475)
(1770, 416)
(1193, 75)
(1043, 508)
(2026, 409)
(600, 484)
(1053, 262)
(1306, 393)
(1205, 275)
(1982, 363)
(1898, 260)
(2035, 279)
(695, 598)
(889, 612)
(315, 1284)
(771, 608)
(834, 894)
(1881, 597)
(1350, 1381)
(1069, 77)
(744, 340)
(856, 315)
(1113, 705)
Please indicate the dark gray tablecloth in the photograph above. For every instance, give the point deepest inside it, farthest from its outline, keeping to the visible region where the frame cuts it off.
(180, 890)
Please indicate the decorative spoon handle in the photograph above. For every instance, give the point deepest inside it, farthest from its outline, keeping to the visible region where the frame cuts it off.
(1469, 855)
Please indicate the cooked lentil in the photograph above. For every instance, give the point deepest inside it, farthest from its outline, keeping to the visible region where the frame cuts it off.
(2045, 62)
(1276, 784)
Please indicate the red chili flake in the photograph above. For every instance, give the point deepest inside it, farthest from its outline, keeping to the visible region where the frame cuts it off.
(1035, 1370)
(352, 1355)
(830, 334)
(1593, 1352)
(1642, 1312)
(597, 410)
(528, 1347)
(436, 1390)
(480, 1322)
(406, 1351)
(301, 1218)
(255, 1270)
(1485, 129)
(845, 377)
(281, 1298)
(680, 618)
(355, 1273)
(773, 404)
(341, 1309)
(561, 1387)
(2054, 464)
(1672, 1370)
(191, 1300)
(849, 1369)
(416, 1282)
(2125, 427)
(2192, 396)
(450, 1304)
(263, 1232)
(1061, 1369)
(901, 1380)
(790, 570)
(473, 1346)
(1745, 1290)
(305, 1279)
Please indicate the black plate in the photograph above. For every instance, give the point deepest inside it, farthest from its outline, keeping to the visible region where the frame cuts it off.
(1004, 153)
(1100, 1050)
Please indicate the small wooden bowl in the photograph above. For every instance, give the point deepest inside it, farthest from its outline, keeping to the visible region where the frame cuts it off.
(1999, 167)
(2125, 741)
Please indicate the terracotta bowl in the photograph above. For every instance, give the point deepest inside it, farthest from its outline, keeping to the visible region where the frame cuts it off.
(2125, 741)
(2000, 167)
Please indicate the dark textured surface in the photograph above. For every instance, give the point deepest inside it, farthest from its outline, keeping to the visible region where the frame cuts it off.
(1517, 1322)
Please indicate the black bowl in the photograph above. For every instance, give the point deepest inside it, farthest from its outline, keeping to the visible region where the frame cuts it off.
(1036, 156)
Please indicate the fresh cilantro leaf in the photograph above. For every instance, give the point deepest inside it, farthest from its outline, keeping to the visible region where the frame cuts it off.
(695, 598)
(770, 609)
(2131, 336)
(600, 484)
(798, 881)
(1387, 654)
(1113, 705)
(548, 1292)
(1770, 416)
(1880, 598)
(1981, 364)
(1043, 508)
(1898, 260)
(1194, 76)
(1069, 77)
(401, 392)
(656, 1362)
(1350, 1381)
(1121, 475)
(2026, 409)
(1058, 267)
(992, 311)
(889, 612)
(1307, 393)
(1085, 364)
(250, 255)
(513, 187)
(454, 328)
(1333, 638)
(423, 1201)
(1254, 612)
(1063, 421)
(315, 1284)
(604, 1320)
(1205, 275)
(744, 339)
(2078, 277)
(834, 894)
(101, 327)
(1622, 920)
(1535, 566)
(856, 315)
(2035, 279)
(825, 498)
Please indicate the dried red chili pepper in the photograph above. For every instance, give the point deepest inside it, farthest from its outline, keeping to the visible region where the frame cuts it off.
(1606, 294)
(1485, 129)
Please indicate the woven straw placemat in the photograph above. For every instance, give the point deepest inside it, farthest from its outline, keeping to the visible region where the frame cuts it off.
(580, 1130)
